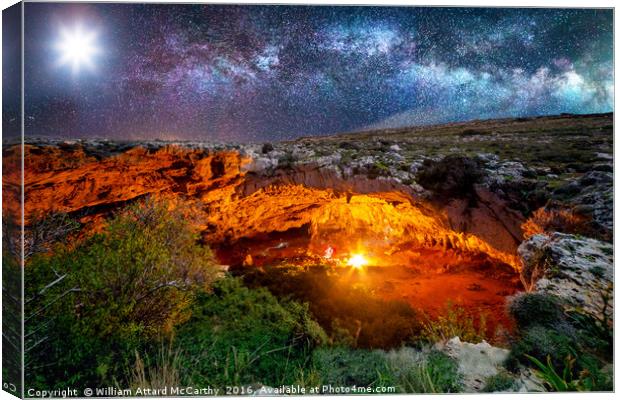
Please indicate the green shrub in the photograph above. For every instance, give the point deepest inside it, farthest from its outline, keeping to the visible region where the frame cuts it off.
(599, 375)
(159, 371)
(454, 322)
(453, 176)
(350, 315)
(584, 376)
(435, 373)
(473, 132)
(594, 335)
(501, 382)
(377, 169)
(287, 160)
(558, 340)
(90, 306)
(432, 372)
(341, 366)
(529, 309)
(539, 342)
(240, 336)
(11, 317)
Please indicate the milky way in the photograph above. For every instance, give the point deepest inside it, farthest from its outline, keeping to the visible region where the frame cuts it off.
(266, 73)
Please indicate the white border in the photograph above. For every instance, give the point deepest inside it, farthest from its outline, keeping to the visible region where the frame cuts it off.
(462, 3)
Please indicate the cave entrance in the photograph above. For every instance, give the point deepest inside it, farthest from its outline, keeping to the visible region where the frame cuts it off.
(388, 248)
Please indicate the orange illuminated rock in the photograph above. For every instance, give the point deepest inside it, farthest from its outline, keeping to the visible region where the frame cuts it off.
(380, 224)
(226, 203)
(87, 183)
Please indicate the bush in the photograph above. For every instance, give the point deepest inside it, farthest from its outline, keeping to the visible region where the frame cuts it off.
(540, 342)
(377, 169)
(350, 315)
(11, 317)
(240, 336)
(551, 340)
(45, 231)
(91, 306)
(455, 322)
(529, 309)
(501, 382)
(341, 366)
(473, 132)
(574, 376)
(408, 370)
(593, 334)
(435, 373)
(267, 148)
(158, 372)
(453, 176)
(287, 161)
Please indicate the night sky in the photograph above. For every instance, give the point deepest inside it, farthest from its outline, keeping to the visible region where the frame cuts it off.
(268, 73)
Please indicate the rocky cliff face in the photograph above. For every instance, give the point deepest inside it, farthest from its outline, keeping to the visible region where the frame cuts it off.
(236, 193)
(577, 270)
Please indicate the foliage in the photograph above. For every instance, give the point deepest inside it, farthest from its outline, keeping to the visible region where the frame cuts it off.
(585, 380)
(436, 373)
(161, 372)
(45, 231)
(267, 148)
(473, 132)
(454, 322)
(539, 342)
(342, 366)
(89, 307)
(238, 335)
(97, 313)
(377, 169)
(422, 372)
(571, 342)
(593, 334)
(287, 160)
(11, 317)
(452, 176)
(350, 315)
(501, 382)
(595, 331)
(529, 309)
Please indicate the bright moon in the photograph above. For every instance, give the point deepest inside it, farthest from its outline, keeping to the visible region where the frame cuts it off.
(77, 48)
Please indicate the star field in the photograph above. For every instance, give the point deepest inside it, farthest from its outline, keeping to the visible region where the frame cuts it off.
(268, 73)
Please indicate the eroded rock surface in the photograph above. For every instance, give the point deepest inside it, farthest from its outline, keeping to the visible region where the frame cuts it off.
(594, 198)
(480, 361)
(477, 362)
(577, 270)
(241, 193)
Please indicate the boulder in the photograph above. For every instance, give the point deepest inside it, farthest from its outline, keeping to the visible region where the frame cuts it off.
(577, 270)
(477, 362)
(591, 197)
(527, 381)
(480, 361)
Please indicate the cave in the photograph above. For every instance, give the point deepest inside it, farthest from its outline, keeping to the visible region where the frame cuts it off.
(384, 242)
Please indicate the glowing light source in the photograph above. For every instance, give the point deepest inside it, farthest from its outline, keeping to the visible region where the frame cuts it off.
(77, 48)
(357, 261)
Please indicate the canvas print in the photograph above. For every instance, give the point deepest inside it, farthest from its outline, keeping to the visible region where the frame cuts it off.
(213, 200)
